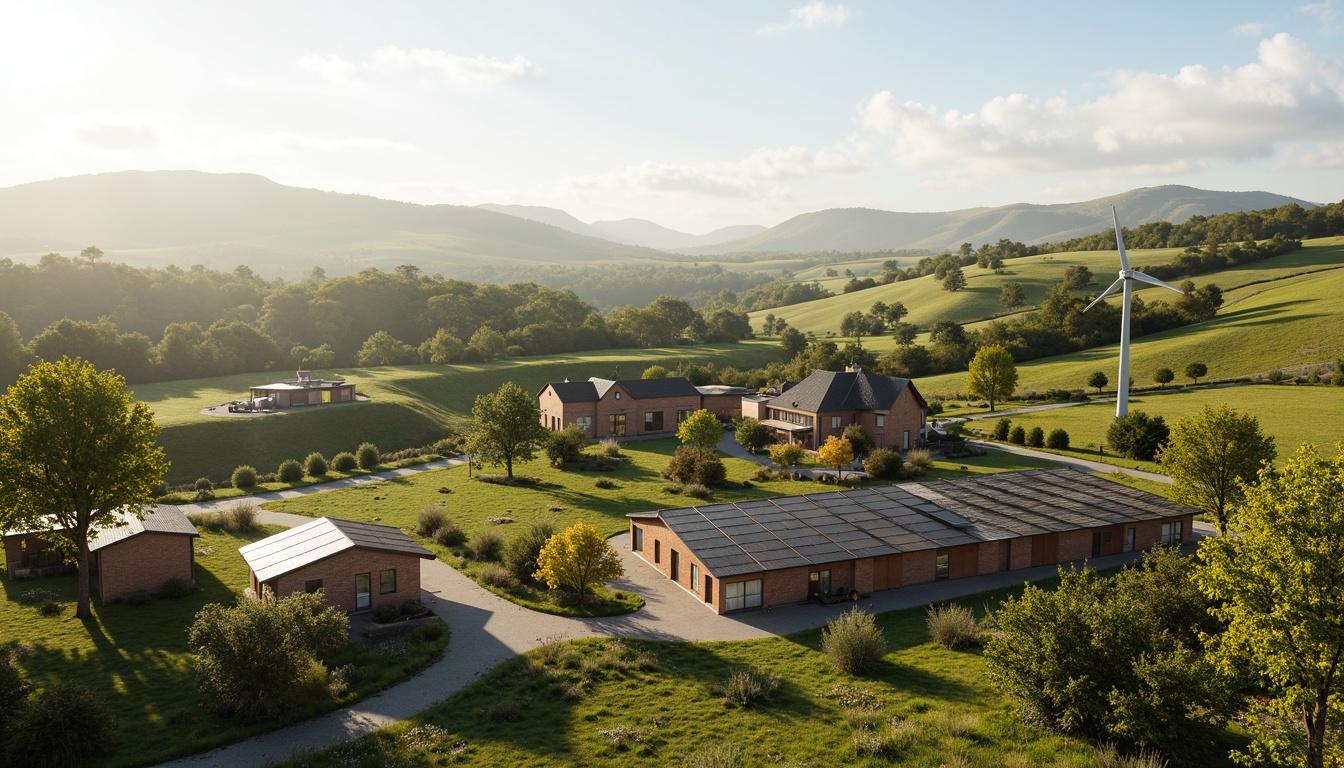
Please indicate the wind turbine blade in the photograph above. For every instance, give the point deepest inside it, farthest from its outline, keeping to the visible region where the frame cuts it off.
(1116, 287)
(1149, 279)
(1119, 240)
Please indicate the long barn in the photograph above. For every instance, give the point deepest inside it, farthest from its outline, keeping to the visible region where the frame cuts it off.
(768, 552)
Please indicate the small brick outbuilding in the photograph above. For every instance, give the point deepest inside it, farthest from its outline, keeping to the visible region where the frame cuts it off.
(133, 555)
(358, 566)
(767, 552)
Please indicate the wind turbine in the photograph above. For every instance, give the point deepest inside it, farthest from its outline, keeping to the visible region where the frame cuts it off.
(1126, 283)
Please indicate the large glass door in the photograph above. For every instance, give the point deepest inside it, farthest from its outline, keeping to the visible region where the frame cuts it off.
(818, 583)
(362, 590)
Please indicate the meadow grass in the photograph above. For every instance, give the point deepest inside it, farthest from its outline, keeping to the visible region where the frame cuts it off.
(136, 658)
(603, 702)
(410, 405)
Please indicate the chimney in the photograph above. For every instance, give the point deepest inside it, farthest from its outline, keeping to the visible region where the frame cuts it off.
(853, 368)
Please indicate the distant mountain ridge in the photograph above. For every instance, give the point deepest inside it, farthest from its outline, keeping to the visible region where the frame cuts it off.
(865, 229)
(641, 232)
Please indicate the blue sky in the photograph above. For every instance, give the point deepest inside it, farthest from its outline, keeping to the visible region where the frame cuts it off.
(692, 114)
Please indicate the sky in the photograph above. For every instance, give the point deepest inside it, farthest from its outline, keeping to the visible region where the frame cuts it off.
(693, 114)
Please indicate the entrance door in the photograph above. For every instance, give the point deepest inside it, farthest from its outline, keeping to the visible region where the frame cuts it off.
(362, 591)
(818, 583)
(1129, 539)
(709, 588)
(676, 566)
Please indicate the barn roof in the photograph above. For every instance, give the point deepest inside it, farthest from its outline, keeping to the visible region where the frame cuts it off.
(793, 531)
(162, 519)
(640, 389)
(326, 536)
(855, 390)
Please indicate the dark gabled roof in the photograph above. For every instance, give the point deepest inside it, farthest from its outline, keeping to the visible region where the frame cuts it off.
(793, 531)
(574, 391)
(326, 536)
(825, 391)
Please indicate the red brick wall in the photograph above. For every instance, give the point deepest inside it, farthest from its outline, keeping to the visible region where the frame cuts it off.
(1075, 545)
(338, 578)
(145, 561)
(991, 557)
(552, 408)
(656, 530)
(12, 553)
(723, 406)
(919, 567)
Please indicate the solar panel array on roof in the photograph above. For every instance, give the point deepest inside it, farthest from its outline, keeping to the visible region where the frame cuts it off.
(793, 531)
(326, 536)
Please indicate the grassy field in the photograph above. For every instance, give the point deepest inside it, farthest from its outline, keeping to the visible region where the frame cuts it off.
(410, 406)
(621, 703)
(136, 658)
(1292, 414)
(979, 301)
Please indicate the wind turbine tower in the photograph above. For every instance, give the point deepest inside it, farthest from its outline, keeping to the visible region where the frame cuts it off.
(1125, 283)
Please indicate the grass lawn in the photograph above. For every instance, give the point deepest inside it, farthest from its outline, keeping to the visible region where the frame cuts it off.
(620, 702)
(1292, 414)
(136, 658)
(410, 405)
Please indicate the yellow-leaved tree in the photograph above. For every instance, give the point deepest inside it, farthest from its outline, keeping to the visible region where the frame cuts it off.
(836, 452)
(577, 558)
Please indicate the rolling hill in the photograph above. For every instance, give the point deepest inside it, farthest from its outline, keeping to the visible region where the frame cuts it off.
(639, 232)
(864, 229)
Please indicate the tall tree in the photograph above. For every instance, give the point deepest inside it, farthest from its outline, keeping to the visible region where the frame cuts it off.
(1213, 456)
(836, 452)
(992, 375)
(954, 280)
(577, 558)
(77, 451)
(1279, 585)
(1098, 380)
(506, 427)
(701, 429)
(13, 355)
(382, 349)
(1011, 296)
(752, 434)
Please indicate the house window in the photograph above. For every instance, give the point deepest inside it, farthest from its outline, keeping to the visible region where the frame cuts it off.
(585, 423)
(676, 566)
(683, 415)
(362, 584)
(1129, 539)
(695, 576)
(941, 570)
(618, 424)
(905, 440)
(1096, 543)
(835, 422)
(709, 589)
(312, 585)
(618, 395)
(653, 421)
(881, 421)
(1172, 533)
(637, 538)
(657, 551)
(387, 581)
(742, 594)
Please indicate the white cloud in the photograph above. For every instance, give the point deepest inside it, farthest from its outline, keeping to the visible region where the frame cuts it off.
(471, 69)
(809, 15)
(329, 66)
(1146, 123)
(1251, 29)
(283, 141)
(1326, 156)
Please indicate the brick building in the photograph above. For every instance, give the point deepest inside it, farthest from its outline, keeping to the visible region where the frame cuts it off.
(358, 566)
(889, 408)
(784, 550)
(132, 555)
(626, 407)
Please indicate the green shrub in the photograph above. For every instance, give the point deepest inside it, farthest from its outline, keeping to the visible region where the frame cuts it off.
(387, 613)
(1001, 428)
(290, 471)
(344, 462)
(1137, 435)
(496, 575)
(715, 756)
(953, 626)
(673, 488)
(50, 608)
(884, 464)
(14, 692)
(566, 445)
(244, 477)
(243, 683)
(203, 484)
(690, 465)
(695, 491)
(854, 642)
(430, 520)
(610, 447)
(1018, 436)
(241, 516)
(367, 455)
(203, 496)
(64, 724)
(449, 534)
(604, 483)
(746, 687)
(919, 459)
(486, 545)
(315, 465)
(1058, 440)
(520, 555)
(1036, 437)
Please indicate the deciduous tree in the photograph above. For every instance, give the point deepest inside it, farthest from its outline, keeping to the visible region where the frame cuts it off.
(506, 427)
(836, 452)
(77, 450)
(787, 455)
(701, 429)
(1164, 376)
(1011, 296)
(577, 559)
(1137, 435)
(992, 374)
(1195, 371)
(1213, 456)
(752, 434)
(1279, 585)
(1098, 380)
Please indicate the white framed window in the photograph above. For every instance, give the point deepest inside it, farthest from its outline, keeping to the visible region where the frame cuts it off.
(942, 568)
(1173, 533)
(742, 594)
(881, 421)
(835, 422)
(585, 423)
(695, 576)
(618, 395)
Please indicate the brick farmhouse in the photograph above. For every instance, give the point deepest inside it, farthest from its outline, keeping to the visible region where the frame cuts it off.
(358, 566)
(889, 408)
(133, 555)
(620, 408)
(769, 552)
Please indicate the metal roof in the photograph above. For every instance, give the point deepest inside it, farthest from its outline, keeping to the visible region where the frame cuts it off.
(792, 531)
(163, 519)
(859, 390)
(326, 536)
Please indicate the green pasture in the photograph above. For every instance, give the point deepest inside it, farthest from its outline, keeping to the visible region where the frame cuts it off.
(136, 658)
(410, 405)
